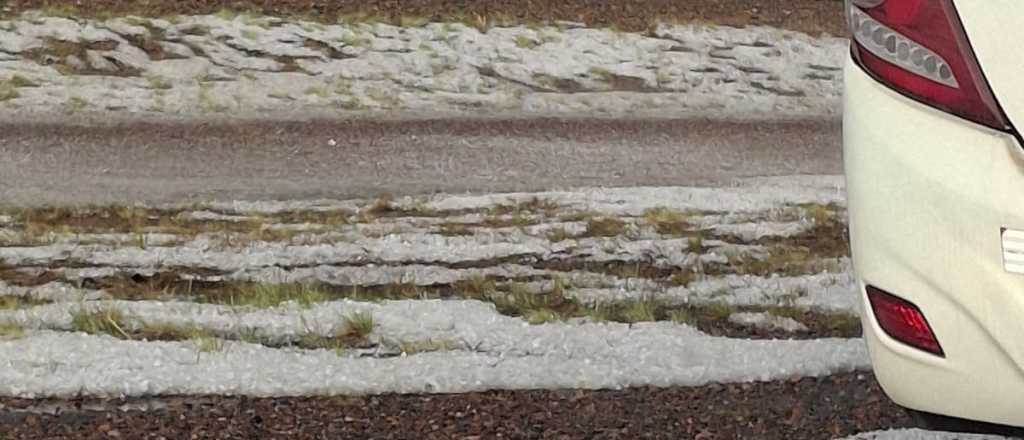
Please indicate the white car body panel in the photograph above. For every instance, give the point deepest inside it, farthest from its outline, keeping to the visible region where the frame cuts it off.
(996, 34)
(928, 195)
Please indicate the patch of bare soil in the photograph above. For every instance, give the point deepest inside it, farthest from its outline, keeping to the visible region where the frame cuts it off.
(812, 16)
(808, 408)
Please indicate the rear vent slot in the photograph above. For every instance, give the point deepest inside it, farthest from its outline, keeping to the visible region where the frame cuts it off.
(1013, 251)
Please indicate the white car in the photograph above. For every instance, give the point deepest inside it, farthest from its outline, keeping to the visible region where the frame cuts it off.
(935, 174)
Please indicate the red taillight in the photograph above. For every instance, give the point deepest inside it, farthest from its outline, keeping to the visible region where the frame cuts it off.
(919, 48)
(903, 321)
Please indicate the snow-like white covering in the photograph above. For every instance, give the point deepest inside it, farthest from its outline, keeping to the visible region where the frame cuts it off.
(673, 70)
(743, 195)
(827, 291)
(63, 364)
(398, 248)
(55, 291)
(753, 231)
(751, 194)
(216, 216)
(466, 323)
(416, 274)
(918, 434)
(403, 248)
(483, 349)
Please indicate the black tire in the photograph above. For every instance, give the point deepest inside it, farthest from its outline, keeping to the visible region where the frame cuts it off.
(936, 422)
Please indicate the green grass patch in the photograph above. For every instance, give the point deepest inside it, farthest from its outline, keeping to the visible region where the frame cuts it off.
(816, 212)
(75, 104)
(158, 83)
(8, 92)
(100, 322)
(525, 42)
(11, 302)
(359, 325)
(542, 316)
(518, 219)
(682, 316)
(11, 331)
(638, 310)
(413, 21)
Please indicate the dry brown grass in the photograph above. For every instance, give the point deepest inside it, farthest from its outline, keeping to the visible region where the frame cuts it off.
(668, 221)
(556, 235)
(605, 227)
(455, 230)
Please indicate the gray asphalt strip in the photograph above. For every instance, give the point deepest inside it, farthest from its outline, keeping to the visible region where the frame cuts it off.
(42, 164)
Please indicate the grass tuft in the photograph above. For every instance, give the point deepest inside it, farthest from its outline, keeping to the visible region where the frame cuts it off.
(19, 81)
(206, 343)
(10, 302)
(682, 316)
(75, 104)
(455, 230)
(477, 287)
(318, 91)
(158, 83)
(559, 234)
(518, 219)
(578, 216)
(599, 312)
(11, 331)
(411, 21)
(718, 311)
(61, 11)
(667, 221)
(359, 324)
(787, 260)
(542, 316)
(605, 227)
(8, 91)
(430, 345)
(384, 205)
(682, 277)
(845, 324)
(521, 301)
(816, 212)
(100, 322)
(695, 245)
(639, 310)
(524, 42)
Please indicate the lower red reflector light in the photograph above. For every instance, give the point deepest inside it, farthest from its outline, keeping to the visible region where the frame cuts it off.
(903, 321)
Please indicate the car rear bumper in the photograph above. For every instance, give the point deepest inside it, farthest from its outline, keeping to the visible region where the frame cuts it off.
(928, 196)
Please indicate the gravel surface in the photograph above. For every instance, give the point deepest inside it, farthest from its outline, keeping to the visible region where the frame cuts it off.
(821, 408)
